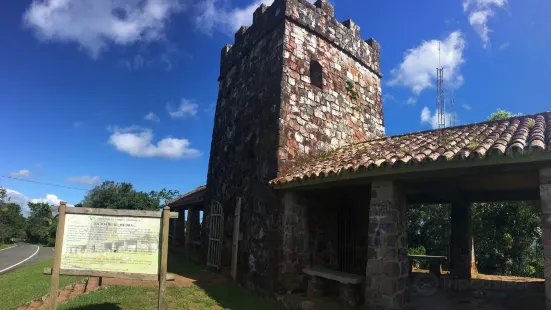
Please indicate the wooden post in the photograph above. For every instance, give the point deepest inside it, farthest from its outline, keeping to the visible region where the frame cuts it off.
(235, 248)
(57, 255)
(164, 258)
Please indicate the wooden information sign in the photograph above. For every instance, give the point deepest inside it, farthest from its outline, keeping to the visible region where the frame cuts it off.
(130, 244)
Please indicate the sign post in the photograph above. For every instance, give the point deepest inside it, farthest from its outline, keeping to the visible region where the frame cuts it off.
(129, 244)
(57, 256)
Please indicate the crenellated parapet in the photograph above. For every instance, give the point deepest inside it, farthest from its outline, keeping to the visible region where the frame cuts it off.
(317, 18)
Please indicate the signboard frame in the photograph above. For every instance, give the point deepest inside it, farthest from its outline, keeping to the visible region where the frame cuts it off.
(165, 215)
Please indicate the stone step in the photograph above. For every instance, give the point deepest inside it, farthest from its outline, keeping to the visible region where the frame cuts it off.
(92, 284)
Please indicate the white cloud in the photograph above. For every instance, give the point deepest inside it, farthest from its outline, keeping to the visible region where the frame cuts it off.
(213, 15)
(418, 69)
(466, 107)
(432, 119)
(478, 12)
(21, 174)
(504, 46)
(93, 24)
(152, 117)
(22, 200)
(84, 180)
(138, 142)
(411, 100)
(186, 109)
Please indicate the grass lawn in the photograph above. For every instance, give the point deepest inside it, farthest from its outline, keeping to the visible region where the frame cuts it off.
(27, 283)
(225, 295)
(222, 296)
(5, 246)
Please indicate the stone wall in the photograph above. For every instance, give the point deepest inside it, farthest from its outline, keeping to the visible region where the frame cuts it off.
(461, 254)
(545, 198)
(387, 271)
(348, 107)
(267, 113)
(296, 242)
(243, 156)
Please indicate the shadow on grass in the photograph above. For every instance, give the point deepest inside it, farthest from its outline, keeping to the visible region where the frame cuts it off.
(102, 306)
(212, 287)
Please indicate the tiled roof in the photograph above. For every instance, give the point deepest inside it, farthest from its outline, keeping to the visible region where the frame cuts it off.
(517, 135)
(194, 195)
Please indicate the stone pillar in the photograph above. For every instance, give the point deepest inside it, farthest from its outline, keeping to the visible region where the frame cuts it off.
(190, 214)
(461, 241)
(387, 282)
(545, 198)
(295, 247)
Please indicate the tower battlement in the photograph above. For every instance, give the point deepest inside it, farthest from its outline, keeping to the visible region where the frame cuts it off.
(317, 18)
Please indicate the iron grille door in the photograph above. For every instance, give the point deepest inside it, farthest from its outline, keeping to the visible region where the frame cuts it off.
(216, 228)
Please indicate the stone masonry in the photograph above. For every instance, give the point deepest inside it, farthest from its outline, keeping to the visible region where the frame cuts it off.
(461, 240)
(296, 250)
(387, 284)
(545, 197)
(268, 114)
(348, 107)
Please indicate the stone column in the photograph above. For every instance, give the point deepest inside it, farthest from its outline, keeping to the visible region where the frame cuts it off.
(461, 241)
(387, 282)
(545, 198)
(295, 245)
(189, 227)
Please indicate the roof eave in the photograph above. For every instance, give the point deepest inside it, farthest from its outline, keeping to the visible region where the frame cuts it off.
(401, 169)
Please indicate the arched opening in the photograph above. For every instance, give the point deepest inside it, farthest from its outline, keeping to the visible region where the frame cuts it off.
(316, 74)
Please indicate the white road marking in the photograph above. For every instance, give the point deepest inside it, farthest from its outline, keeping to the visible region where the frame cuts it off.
(13, 246)
(21, 262)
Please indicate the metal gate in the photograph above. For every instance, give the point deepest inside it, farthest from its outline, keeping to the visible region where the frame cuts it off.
(216, 235)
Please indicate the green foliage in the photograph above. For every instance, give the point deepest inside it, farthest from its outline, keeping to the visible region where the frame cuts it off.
(420, 250)
(507, 236)
(112, 195)
(39, 223)
(429, 227)
(351, 91)
(501, 114)
(12, 221)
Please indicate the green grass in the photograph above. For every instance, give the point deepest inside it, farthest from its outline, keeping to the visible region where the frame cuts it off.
(27, 283)
(5, 246)
(217, 295)
(221, 296)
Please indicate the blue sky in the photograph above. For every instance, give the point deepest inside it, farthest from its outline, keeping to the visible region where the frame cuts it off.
(93, 91)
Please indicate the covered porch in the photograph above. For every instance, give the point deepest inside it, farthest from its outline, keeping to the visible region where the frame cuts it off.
(185, 231)
(345, 212)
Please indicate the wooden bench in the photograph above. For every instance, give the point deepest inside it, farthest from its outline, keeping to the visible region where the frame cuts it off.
(435, 263)
(350, 290)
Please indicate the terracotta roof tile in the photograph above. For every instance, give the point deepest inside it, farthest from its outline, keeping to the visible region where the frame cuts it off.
(517, 135)
(199, 191)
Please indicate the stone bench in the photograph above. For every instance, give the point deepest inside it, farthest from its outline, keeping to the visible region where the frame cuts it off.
(435, 263)
(350, 290)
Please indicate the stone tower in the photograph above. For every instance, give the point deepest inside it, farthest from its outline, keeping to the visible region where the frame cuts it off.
(295, 83)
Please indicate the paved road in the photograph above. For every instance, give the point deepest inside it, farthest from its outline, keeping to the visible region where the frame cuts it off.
(23, 252)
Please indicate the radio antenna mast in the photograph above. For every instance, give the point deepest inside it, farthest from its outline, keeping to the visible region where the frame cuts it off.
(440, 103)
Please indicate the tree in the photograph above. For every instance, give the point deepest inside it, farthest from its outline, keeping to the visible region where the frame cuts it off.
(112, 195)
(501, 114)
(11, 220)
(39, 222)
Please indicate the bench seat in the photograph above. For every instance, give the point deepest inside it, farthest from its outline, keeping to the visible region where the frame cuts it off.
(350, 290)
(341, 277)
(435, 262)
